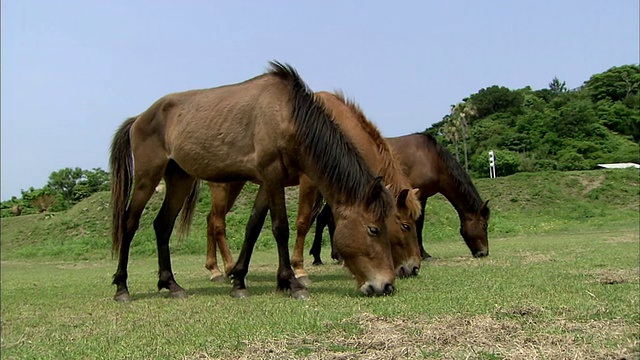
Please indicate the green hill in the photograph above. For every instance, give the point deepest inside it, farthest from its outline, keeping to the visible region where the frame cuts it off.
(552, 128)
(521, 204)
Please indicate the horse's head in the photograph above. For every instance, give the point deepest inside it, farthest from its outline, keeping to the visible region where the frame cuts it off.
(402, 234)
(473, 229)
(361, 240)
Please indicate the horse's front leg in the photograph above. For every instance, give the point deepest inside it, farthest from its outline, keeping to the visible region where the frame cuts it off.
(239, 271)
(179, 185)
(280, 228)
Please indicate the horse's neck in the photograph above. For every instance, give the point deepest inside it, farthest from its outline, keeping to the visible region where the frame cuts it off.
(459, 199)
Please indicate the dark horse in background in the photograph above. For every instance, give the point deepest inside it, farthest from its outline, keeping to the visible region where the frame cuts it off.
(268, 129)
(431, 168)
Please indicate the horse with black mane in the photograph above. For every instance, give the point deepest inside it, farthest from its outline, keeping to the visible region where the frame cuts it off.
(377, 154)
(268, 129)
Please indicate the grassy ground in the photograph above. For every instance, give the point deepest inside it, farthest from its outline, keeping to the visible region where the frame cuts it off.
(561, 283)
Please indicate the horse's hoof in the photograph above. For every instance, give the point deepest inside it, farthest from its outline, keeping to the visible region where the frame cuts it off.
(301, 295)
(180, 294)
(305, 280)
(239, 293)
(217, 278)
(122, 298)
(319, 262)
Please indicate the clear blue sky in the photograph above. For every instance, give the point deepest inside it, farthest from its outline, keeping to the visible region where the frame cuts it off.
(72, 71)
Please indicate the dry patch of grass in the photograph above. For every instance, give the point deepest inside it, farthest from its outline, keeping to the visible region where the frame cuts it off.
(463, 261)
(590, 184)
(622, 239)
(529, 257)
(452, 337)
(615, 276)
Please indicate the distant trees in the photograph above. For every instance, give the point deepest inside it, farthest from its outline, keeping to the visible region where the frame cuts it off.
(456, 124)
(548, 129)
(557, 87)
(65, 188)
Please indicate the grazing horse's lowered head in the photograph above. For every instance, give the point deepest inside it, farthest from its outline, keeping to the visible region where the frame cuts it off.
(359, 252)
(473, 228)
(401, 225)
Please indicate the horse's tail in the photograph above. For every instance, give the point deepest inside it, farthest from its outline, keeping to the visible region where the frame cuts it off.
(121, 163)
(188, 209)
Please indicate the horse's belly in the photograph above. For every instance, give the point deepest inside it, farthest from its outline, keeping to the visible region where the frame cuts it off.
(219, 166)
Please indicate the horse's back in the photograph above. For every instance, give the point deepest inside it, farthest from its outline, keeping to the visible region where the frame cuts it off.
(222, 133)
(419, 160)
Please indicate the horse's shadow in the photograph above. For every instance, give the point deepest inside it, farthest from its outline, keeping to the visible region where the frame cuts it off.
(259, 284)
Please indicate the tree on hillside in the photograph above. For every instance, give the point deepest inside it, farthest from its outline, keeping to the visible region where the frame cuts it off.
(620, 83)
(451, 132)
(463, 112)
(41, 200)
(496, 99)
(557, 87)
(76, 184)
(91, 182)
(64, 181)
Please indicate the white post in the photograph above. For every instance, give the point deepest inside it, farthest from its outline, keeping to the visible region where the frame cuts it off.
(492, 165)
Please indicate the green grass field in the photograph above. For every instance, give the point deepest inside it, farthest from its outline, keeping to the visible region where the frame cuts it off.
(561, 282)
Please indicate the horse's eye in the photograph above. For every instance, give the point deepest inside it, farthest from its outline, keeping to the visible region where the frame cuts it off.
(373, 231)
(406, 227)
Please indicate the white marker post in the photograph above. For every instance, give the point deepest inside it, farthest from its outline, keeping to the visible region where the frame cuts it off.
(492, 165)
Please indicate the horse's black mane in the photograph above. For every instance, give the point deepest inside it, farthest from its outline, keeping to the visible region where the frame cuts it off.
(461, 177)
(333, 156)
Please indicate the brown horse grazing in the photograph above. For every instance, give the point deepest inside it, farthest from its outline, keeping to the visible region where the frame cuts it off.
(377, 154)
(267, 129)
(432, 169)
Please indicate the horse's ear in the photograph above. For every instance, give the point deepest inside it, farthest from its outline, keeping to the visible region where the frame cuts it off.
(484, 209)
(375, 190)
(401, 200)
(416, 192)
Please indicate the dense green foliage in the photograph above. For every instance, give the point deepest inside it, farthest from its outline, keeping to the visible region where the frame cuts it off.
(65, 188)
(548, 129)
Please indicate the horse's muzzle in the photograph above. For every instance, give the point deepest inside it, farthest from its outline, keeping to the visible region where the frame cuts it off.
(481, 254)
(370, 290)
(405, 271)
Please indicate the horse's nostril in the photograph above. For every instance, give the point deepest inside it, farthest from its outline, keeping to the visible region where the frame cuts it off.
(401, 272)
(416, 270)
(370, 290)
(388, 289)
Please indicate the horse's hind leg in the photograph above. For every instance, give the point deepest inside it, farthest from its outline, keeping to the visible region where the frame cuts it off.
(146, 178)
(252, 231)
(216, 227)
(223, 196)
(234, 190)
(308, 194)
(179, 185)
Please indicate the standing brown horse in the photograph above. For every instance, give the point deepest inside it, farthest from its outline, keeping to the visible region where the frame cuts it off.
(268, 129)
(377, 154)
(432, 169)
